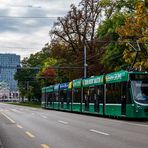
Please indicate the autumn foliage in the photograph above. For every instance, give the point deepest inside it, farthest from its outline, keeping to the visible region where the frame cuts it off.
(135, 31)
(48, 72)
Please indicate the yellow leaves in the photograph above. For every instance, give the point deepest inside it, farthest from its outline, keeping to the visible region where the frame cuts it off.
(140, 8)
(105, 2)
(50, 62)
(128, 56)
(145, 36)
(142, 64)
(136, 30)
(135, 25)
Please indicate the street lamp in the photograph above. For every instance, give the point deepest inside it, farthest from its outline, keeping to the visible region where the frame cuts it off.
(85, 53)
(85, 63)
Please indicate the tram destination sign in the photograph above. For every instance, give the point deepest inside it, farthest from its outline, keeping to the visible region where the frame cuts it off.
(139, 76)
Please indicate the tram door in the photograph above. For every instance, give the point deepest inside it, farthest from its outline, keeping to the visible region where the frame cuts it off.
(61, 99)
(96, 99)
(47, 99)
(86, 100)
(123, 98)
(50, 99)
(69, 98)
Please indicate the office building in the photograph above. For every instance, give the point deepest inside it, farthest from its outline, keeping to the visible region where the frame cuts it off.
(8, 67)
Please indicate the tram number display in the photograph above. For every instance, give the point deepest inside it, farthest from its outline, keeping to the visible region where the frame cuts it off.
(139, 76)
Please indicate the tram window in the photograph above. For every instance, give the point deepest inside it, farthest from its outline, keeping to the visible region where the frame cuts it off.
(69, 95)
(99, 93)
(89, 94)
(56, 96)
(43, 96)
(77, 95)
(126, 92)
(140, 91)
(49, 97)
(92, 92)
(86, 93)
(63, 95)
(113, 93)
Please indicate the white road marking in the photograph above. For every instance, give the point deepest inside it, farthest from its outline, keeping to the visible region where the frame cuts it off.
(8, 118)
(44, 146)
(4, 110)
(21, 109)
(44, 117)
(15, 110)
(34, 109)
(63, 122)
(30, 135)
(99, 132)
(19, 126)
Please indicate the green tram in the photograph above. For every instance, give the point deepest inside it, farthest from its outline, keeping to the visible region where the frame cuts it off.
(118, 94)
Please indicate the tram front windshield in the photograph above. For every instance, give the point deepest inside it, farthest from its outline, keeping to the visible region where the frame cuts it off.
(140, 91)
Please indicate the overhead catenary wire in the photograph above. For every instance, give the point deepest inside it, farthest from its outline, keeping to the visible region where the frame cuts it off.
(43, 47)
(35, 17)
(18, 47)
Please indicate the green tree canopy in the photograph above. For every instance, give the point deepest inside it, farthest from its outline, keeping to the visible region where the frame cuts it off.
(135, 33)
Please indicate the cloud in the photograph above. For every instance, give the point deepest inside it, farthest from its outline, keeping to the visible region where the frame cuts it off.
(28, 35)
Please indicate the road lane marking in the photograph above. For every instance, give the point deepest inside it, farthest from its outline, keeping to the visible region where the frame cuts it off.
(8, 118)
(4, 110)
(63, 122)
(44, 146)
(15, 110)
(99, 132)
(30, 135)
(19, 126)
(44, 117)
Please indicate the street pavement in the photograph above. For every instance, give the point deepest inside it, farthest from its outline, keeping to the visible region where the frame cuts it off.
(25, 127)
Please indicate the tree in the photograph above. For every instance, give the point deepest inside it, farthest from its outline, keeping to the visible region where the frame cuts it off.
(74, 31)
(115, 14)
(47, 73)
(28, 84)
(135, 33)
(112, 56)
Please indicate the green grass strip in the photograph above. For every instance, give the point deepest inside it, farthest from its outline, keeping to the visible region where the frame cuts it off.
(29, 104)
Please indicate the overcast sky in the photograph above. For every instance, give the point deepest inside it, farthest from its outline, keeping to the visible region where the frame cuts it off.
(28, 35)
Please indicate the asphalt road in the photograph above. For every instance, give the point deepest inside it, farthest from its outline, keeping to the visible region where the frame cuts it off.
(25, 127)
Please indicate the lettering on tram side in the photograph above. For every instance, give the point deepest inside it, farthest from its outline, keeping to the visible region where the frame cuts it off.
(122, 76)
(98, 80)
(114, 77)
(77, 83)
(92, 81)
